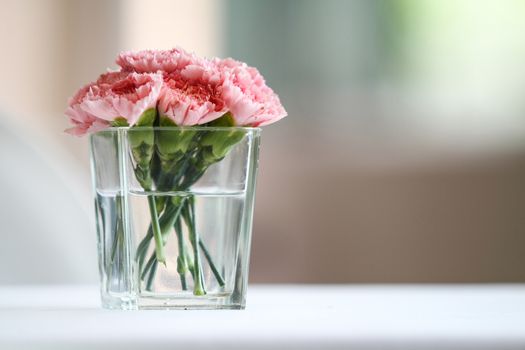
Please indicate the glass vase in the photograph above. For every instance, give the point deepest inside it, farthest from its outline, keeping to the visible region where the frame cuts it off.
(174, 210)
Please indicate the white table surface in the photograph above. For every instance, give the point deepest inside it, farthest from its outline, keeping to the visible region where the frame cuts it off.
(277, 317)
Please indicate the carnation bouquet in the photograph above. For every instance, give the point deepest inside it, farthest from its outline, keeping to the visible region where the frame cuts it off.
(173, 117)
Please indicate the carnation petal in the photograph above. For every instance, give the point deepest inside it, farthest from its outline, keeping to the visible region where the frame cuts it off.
(247, 96)
(114, 94)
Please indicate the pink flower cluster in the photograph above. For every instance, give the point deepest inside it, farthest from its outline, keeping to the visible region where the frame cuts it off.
(187, 89)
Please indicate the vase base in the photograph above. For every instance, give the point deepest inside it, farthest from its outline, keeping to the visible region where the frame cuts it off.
(187, 303)
(170, 302)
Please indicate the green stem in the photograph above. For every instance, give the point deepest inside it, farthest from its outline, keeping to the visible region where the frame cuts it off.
(182, 264)
(170, 176)
(117, 230)
(142, 249)
(166, 221)
(150, 262)
(196, 174)
(183, 284)
(207, 254)
(114, 247)
(152, 275)
(198, 285)
(157, 234)
(214, 269)
(189, 262)
(118, 238)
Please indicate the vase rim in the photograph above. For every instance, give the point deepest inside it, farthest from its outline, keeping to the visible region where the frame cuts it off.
(167, 128)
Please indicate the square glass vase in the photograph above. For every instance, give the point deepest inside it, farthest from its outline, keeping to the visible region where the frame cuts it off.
(174, 209)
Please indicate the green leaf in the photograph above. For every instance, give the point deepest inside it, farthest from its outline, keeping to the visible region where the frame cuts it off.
(225, 120)
(142, 143)
(147, 118)
(219, 143)
(119, 121)
(172, 144)
(166, 121)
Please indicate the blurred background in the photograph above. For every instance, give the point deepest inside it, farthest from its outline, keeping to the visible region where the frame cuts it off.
(402, 159)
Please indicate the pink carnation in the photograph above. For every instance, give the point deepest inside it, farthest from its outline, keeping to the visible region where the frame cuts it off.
(246, 95)
(188, 89)
(82, 121)
(114, 94)
(192, 96)
(152, 61)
